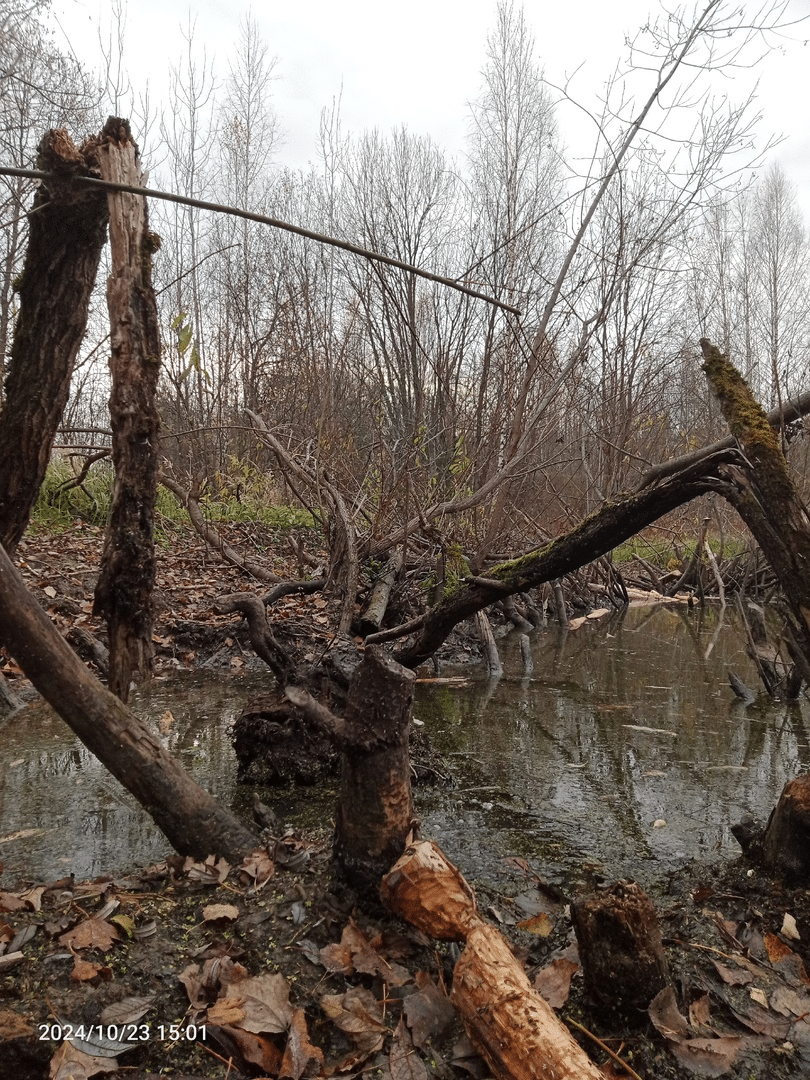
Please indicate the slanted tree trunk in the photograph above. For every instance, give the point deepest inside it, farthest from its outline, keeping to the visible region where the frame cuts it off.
(124, 592)
(762, 490)
(193, 821)
(67, 229)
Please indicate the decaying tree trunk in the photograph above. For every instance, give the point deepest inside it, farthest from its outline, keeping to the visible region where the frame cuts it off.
(507, 1021)
(67, 231)
(193, 821)
(620, 949)
(375, 810)
(786, 844)
(124, 592)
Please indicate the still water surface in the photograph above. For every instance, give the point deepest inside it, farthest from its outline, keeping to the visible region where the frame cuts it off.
(624, 754)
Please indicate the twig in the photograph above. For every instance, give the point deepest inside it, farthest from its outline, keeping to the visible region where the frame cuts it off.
(601, 1045)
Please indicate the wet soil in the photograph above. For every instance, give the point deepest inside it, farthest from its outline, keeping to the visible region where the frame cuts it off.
(277, 969)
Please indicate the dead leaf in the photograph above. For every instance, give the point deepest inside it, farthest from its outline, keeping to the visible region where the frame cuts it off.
(553, 982)
(403, 1061)
(11, 902)
(776, 948)
(708, 1057)
(541, 925)
(84, 971)
(359, 1014)
(245, 1048)
(429, 1012)
(215, 912)
(355, 953)
(301, 1058)
(90, 934)
(266, 1002)
(666, 1017)
(128, 1011)
(732, 976)
(70, 1063)
(226, 1012)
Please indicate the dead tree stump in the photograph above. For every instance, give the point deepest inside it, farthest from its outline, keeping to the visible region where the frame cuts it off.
(786, 844)
(620, 949)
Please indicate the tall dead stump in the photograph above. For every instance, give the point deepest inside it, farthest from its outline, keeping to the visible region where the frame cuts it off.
(124, 592)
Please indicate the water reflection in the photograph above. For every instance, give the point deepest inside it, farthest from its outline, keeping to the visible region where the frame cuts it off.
(626, 749)
(625, 724)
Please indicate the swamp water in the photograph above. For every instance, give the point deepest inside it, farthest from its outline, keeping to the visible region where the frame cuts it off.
(624, 754)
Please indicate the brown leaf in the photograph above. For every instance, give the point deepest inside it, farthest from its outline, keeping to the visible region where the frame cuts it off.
(215, 912)
(266, 1002)
(541, 925)
(403, 1061)
(11, 902)
(733, 976)
(666, 1017)
(553, 982)
(226, 1011)
(83, 970)
(356, 954)
(246, 1048)
(69, 1063)
(301, 1058)
(359, 1014)
(127, 1011)
(429, 1012)
(707, 1057)
(776, 948)
(90, 934)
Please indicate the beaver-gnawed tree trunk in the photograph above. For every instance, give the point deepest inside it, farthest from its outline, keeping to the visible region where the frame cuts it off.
(67, 229)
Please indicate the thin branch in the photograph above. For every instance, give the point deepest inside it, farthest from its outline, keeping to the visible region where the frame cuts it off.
(321, 238)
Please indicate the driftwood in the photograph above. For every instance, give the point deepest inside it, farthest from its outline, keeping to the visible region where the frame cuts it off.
(620, 949)
(374, 613)
(507, 1021)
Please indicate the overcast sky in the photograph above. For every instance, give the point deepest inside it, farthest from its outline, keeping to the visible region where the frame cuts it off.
(419, 64)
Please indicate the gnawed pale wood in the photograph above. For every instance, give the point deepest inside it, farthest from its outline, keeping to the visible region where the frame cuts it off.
(507, 1021)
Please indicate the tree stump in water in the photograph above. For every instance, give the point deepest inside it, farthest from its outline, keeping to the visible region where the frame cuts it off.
(786, 844)
(620, 949)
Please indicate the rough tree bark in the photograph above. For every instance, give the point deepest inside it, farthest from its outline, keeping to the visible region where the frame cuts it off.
(67, 231)
(375, 809)
(193, 821)
(124, 592)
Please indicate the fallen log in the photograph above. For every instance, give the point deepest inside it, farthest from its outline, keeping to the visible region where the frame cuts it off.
(508, 1022)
